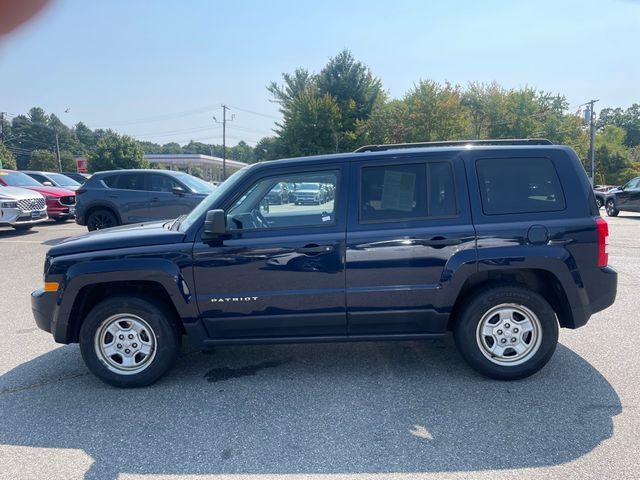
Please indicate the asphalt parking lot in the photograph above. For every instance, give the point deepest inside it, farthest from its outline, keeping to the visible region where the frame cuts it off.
(383, 410)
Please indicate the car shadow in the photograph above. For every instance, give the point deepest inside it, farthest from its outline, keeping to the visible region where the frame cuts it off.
(9, 232)
(304, 409)
(55, 241)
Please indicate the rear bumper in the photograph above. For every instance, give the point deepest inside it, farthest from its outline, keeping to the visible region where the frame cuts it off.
(602, 294)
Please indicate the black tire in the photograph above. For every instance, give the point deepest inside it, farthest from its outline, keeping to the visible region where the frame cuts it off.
(22, 228)
(161, 332)
(479, 311)
(100, 219)
(611, 209)
(599, 202)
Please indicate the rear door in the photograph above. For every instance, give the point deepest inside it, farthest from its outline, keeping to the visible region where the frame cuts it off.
(407, 218)
(128, 193)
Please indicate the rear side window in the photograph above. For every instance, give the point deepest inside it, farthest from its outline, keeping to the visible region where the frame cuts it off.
(407, 192)
(126, 181)
(519, 185)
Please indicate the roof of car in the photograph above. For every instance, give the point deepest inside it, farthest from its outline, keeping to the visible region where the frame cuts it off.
(140, 170)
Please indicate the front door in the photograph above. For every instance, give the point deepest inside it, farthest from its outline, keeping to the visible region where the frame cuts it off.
(629, 198)
(164, 204)
(406, 220)
(281, 271)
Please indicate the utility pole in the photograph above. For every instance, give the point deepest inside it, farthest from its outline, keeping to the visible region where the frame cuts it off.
(224, 139)
(592, 141)
(58, 152)
(2, 127)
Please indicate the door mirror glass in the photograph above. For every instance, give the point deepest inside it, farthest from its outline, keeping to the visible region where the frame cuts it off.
(47, 184)
(178, 190)
(214, 225)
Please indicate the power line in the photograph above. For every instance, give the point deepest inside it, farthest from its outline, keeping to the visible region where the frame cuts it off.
(266, 115)
(165, 116)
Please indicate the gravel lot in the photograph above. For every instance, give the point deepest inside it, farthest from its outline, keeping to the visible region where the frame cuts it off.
(383, 410)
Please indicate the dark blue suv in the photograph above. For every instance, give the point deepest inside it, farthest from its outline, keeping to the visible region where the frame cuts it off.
(499, 242)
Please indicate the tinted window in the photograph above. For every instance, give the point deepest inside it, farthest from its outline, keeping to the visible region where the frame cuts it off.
(130, 181)
(111, 181)
(519, 185)
(17, 179)
(162, 183)
(39, 178)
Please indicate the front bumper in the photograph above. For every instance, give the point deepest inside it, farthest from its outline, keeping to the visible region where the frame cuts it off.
(16, 216)
(61, 211)
(43, 305)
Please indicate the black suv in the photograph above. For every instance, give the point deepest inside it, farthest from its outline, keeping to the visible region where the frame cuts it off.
(502, 244)
(623, 199)
(120, 197)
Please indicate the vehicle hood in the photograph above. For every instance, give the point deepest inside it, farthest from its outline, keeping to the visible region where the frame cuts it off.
(125, 236)
(51, 191)
(613, 190)
(17, 193)
(308, 190)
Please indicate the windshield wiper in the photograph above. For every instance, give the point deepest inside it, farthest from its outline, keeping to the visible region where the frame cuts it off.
(176, 223)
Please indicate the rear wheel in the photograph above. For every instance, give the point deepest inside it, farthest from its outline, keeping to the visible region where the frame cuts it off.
(129, 341)
(100, 219)
(612, 211)
(506, 332)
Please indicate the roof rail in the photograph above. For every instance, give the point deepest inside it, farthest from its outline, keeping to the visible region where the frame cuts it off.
(455, 143)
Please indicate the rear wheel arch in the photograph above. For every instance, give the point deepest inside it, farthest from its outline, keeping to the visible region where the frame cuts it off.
(540, 281)
(109, 208)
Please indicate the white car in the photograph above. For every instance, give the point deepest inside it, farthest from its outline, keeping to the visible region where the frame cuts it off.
(21, 208)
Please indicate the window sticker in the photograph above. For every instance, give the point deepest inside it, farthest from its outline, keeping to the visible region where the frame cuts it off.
(398, 190)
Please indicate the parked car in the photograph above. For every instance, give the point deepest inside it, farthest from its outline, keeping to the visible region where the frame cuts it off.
(600, 192)
(310, 193)
(623, 199)
(279, 194)
(60, 201)
(414, 245)
(21, 208)
(52, 179)
(121, 197)
(78, 176)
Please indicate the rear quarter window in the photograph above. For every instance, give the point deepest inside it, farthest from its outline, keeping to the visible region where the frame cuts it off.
(519, 185)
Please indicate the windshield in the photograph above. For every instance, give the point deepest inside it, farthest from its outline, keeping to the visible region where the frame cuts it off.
(195, 184)
(207, 203)
(17, 179)
(62, 180)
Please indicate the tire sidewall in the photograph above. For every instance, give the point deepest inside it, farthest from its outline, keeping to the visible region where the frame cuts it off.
(102, 211)
(466, 328)
(167, 340)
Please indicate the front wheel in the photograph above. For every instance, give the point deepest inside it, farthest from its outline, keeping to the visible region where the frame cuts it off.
(506, 332)
(612, 211)
(599, 203)
(129, 341)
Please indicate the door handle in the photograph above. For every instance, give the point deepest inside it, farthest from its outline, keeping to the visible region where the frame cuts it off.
(315, 249)
(438, 242)
(155, 199)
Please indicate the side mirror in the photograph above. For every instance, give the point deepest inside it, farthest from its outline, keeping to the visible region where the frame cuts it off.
(178, 191)
(47, 184)
(215, 225)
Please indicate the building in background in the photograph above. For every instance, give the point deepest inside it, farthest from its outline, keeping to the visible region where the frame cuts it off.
(204, 166)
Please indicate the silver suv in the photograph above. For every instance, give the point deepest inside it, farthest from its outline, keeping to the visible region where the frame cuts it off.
(21, 208)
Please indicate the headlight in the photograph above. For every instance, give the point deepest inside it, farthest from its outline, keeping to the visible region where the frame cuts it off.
(9, 205)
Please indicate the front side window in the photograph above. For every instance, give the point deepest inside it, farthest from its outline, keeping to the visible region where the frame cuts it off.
(412, 191)
(285, 201)
(162, 183)
(519, 185)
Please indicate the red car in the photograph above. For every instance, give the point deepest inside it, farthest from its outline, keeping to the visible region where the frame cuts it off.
(61, 203)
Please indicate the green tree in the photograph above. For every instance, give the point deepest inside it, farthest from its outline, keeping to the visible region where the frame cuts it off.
(612, 157)
(628, 119)
(116, 151)
(44, 160)
(267, 149)
(242, 152)
(7, 160)
(386, 124)
(312, 125)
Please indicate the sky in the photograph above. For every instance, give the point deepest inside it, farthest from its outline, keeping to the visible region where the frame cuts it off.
(160, 70)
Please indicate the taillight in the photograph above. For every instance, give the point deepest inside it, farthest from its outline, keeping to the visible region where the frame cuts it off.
(603, 237)
(79, 191)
